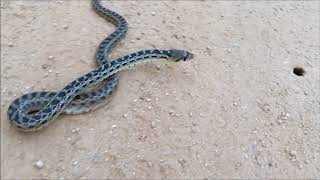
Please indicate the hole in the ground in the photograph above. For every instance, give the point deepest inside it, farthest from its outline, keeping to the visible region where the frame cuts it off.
(299, 71)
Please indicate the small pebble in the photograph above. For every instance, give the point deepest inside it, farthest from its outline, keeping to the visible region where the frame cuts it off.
(51, 57)
(125, 115)
(292, 153)
(153, 124)
(305, 93)
(153, 13)
(114, 126)
(44, 66)
(10, 44)
(75, 130)
(74, 163)
(39, 164)
(65, 26)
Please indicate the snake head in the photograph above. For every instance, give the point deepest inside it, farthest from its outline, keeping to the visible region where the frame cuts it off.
(177, 55)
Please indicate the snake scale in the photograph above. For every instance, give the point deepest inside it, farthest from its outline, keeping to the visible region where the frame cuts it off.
(35, 110)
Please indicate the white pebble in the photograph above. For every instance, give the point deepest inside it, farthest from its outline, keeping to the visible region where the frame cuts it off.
(75, 130)
(114, 126)
(51, 57)
(153, 13)
(39, 164)
(65, 26)
(125, 115)
(74, 162)
(153, 124)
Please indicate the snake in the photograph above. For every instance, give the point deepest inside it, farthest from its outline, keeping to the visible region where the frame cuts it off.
(35, 110)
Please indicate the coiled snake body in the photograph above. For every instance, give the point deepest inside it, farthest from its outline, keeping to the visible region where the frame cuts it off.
(33, 111)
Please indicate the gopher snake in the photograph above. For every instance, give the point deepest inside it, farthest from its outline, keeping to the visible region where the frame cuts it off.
(33, 111)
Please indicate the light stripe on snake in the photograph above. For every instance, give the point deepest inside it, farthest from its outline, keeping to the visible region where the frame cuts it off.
(34, 111)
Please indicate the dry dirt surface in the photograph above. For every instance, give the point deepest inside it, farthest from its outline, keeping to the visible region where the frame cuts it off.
(236, 110)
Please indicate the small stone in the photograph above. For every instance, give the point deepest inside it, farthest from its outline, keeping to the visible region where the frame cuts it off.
(279, 121)
(148, 99)
(238, 164)
(69, 139)
(44, 66)
(46, 74)
(50, 70)
(158, 67)
(235, 104)
(125, 115)
(91, 129)
(305, 93)
(51, 57)
(114, 126)
(60, 2)
(153, 124)
(74, 162)
(10, 44)
(284, 115)
(65, 26)
(292, 153)
(150, 164)
(75, 130)
(149, 107)
(39, 164)
(182, 162)
(153, 13)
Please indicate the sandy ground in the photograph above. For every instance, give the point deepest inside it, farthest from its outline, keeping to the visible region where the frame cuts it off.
(235, 111)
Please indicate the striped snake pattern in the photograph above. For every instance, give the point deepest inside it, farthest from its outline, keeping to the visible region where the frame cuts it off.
(35, 110)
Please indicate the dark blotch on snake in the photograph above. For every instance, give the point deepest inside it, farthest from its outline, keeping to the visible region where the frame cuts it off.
(54, 102)
(62, 94)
